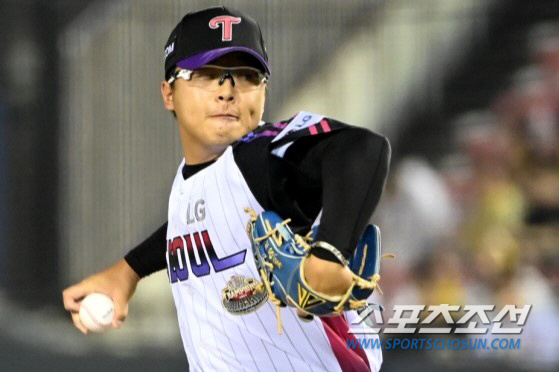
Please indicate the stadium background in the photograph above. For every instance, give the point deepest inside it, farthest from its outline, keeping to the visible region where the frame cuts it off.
(467, 91)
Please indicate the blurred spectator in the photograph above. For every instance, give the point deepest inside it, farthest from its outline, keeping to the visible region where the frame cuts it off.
(484, 229)
(416, 212)
(531, 109)
(496, 203)
(544, 47)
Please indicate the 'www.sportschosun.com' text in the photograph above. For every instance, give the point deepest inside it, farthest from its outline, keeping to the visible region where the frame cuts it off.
(433, 343)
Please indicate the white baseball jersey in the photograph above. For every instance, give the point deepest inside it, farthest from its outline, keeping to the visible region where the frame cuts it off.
(207, 245)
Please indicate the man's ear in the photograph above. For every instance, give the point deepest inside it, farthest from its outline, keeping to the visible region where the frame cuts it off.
(167, 96)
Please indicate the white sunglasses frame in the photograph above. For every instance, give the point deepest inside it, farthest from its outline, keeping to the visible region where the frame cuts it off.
(187, 74)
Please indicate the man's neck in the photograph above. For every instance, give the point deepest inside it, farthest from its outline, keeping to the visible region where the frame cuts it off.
(193, 158)
(196, 153)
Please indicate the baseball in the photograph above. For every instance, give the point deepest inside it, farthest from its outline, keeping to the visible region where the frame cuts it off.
(96, 312)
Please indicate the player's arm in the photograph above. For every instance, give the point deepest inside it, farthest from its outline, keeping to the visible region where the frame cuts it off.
(149, 256)
(351, 166)
(119, 281)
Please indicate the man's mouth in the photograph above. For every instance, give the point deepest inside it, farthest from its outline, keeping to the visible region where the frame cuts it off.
(225, 116)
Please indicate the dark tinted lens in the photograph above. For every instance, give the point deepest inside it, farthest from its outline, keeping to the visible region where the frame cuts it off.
(207, 73)
(248, 76)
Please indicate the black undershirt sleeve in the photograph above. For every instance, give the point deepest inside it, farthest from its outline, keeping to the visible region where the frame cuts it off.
(351, 165)
(149, 256)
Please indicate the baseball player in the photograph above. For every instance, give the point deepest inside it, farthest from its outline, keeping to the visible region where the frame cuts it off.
(309, 168)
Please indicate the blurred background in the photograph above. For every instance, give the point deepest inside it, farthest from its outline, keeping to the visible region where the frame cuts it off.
(467, 91)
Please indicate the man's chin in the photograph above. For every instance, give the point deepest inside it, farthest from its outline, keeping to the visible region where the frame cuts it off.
(224, 139)
(231, 133)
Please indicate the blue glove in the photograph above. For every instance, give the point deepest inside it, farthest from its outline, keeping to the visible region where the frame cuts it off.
(279, 255)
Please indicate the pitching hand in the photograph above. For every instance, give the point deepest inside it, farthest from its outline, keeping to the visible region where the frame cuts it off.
(117, 281)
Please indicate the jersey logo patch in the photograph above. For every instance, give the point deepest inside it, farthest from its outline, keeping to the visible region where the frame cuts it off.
(243, 295)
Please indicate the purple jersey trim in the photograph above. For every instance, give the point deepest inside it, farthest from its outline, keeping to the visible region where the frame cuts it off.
(281, 124)
(252, 136)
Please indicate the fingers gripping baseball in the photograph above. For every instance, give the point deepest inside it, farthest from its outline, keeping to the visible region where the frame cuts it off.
(118, 282)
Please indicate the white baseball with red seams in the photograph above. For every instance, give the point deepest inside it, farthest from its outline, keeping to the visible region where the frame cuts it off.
(96, 312)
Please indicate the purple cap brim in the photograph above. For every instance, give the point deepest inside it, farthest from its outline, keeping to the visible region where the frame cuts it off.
(201, 59)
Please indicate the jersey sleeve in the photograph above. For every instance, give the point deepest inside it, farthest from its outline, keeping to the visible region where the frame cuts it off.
(351, 166)
(314, 166)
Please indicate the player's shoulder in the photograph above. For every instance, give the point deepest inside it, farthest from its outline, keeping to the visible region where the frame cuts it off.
(264, 131)
(302, 124)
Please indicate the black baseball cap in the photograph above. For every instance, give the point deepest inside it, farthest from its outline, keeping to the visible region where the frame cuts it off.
(202, 36)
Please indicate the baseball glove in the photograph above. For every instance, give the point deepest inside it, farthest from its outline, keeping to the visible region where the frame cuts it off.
(279, 255)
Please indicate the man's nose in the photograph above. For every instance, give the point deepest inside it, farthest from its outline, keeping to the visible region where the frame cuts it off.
(226, 88)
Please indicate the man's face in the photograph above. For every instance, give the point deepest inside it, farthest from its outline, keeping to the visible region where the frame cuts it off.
(209, 121)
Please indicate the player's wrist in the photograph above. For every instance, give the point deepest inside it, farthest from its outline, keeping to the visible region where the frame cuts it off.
(127, 271)
(122, 272)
